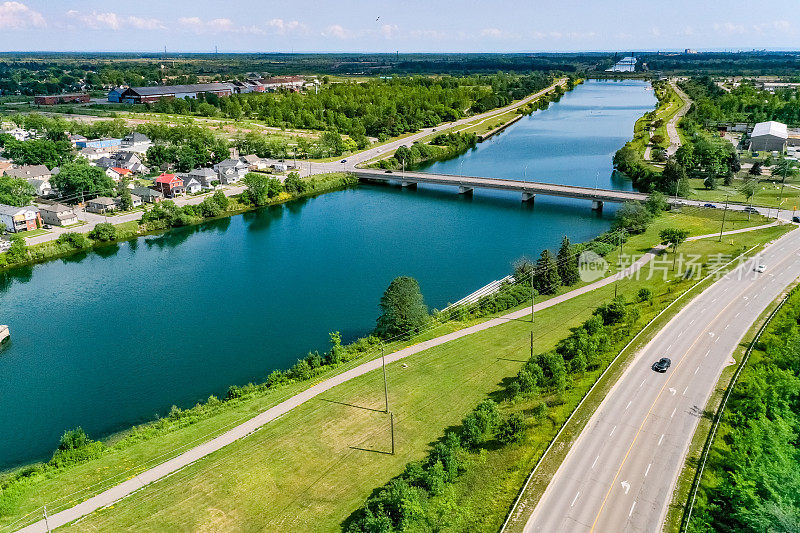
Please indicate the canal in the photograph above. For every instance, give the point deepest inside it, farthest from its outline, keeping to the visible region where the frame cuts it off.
(114, 337)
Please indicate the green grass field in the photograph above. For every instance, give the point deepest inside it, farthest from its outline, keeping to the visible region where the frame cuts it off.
(309, 469)
(768, 194)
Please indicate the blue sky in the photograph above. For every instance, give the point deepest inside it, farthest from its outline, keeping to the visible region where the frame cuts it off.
(386, 26)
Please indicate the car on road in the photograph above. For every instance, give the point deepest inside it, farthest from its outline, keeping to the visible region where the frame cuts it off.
(712, 206)
(343, 161)
(662, 365)
(47, 226)
(796, 219)
(761, 267)
(753, 210)
(388, 172)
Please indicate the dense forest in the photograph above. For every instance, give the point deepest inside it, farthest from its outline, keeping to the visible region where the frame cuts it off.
(744, 103)
(376, 108)
(752, 479)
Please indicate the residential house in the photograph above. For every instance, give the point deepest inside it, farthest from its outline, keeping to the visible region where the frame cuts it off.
(254, 162)
(130, 160)
(147, 195)
(231, 170)
(136, 201)
(101, 204)
(28, 172)
(192, 185)
(74, 139)
(170, 185)
(116, 173)
(42, 187)
(207, 177)
(93, 154)
(18, 219)
(136, 142)
(106, 162)
(280, 166)
(20, 134)
(58, 215)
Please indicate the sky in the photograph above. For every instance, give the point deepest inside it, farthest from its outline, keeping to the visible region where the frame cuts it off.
(389, 26)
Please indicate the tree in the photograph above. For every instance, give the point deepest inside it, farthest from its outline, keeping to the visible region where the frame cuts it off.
(403, 308)
(80, 177)
(523, 270)
(16, 191)
(221, 200)
(546, 279)
(675, 237)
(748, 189)
(261, 188)
(644, 295)
(785, 168)
(512, 429)
(294, 184)
(567, 263)
(632, 217)
(656, 203)
(755, 170)
(125, 199)
(104, 231)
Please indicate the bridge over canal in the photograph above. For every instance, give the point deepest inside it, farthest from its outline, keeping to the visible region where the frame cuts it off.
(528, 189)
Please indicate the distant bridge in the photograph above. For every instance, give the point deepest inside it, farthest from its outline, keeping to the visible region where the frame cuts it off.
(528, 189)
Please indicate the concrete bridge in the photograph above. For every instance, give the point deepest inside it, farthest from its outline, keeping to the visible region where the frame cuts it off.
(528, 189)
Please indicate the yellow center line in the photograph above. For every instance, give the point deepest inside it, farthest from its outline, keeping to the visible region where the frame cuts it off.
(672, 374)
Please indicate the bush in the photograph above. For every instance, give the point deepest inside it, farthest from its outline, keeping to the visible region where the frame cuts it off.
(75, 447)
(104, 231)
(644, 295)
(78, 241)
(512, 429)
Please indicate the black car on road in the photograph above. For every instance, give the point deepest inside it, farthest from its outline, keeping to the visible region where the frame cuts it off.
(662, 365)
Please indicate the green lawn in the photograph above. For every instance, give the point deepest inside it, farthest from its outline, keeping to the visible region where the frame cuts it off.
(768, 194)
(304, 470)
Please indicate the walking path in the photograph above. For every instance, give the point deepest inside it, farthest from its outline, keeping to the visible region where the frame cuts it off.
(158, 472)
(672, 125)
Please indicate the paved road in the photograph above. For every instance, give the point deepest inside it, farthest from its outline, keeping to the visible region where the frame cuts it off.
(124, 489)
(620, 473)
(672, 125)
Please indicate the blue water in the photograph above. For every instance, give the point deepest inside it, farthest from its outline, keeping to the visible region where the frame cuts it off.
(116, 336)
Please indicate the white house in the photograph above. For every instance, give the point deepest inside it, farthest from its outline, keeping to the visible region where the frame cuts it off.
(231, 170)
(58, 215)
(136, 142)
(206, 176)
(192, 185)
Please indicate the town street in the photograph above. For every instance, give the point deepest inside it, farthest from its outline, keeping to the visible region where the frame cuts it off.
(620, 473)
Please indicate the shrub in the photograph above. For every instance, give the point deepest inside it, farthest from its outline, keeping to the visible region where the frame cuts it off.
(104, 231)
(78, 241)
(512, 429)
(644, 295)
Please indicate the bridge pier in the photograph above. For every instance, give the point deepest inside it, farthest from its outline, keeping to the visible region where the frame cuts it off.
(597, 205)
(464, 190)
(409, 184)
(528, 197)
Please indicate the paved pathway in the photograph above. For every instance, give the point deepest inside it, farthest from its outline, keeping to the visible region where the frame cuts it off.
(158, 472)
(672, 125)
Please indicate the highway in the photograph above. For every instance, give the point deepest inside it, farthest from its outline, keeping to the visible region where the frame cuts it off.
(620, 473)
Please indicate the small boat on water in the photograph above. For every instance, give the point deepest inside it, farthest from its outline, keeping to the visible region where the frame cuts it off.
(5, 334)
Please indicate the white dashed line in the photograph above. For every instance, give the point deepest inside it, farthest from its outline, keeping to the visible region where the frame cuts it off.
(595, 461)
(673, 412)
(629, 404)
(575, 499)
(631, 511)
(717, 340)
(737, 314)
(696, 370)
(648, 469)
(612, 431)
(708, 352)
(684, 391)
(727, 326)
(661, 439)
(642, 383)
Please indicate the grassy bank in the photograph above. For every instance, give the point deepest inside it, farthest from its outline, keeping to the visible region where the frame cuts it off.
(311, 465)
(55, 249)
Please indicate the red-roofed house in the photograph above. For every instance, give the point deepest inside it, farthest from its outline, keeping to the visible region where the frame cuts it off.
(117, 173)
(170, 185)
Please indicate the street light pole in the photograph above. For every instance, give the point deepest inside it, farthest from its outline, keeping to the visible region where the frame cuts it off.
(723, 218)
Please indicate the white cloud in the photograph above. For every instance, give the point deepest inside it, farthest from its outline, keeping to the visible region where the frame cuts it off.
(389, 30)
(729, 28)
(113, 21)
(428, 34)
(283, 27)
(338, 32)
(16, 16)
(218, 25)
(780, 26)
(494, 33)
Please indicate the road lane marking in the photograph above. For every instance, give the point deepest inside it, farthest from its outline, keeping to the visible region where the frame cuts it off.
(631, 511)
(737, 314)
(595, 461)
(708, 352)
(626, 486)
(661, 439)
(696, 369)
(629, 404)
(668, 347)
(684, 391)
(575, 499)
(692, 322)
(673, 412)
(612, 431)
(648, 469)
(717, 340)
(642, 383)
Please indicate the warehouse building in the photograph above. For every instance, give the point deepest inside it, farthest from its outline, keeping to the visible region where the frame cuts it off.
(53, 99)
(768, 137)
(144, 95)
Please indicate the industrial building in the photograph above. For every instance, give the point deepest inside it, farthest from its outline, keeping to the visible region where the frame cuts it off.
(144, 95)
(53, 99)
(768, 137)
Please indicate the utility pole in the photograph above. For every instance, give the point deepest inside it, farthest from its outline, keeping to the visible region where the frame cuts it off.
(619, 261)
(391, 424)
(532, 294)
(723, 218)
(46, 521)
(385, 386)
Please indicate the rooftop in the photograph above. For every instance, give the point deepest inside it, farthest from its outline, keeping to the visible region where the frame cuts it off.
(777, 129)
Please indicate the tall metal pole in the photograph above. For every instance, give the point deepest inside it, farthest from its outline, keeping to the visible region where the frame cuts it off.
(46, 521)
(532, 295)
(385, 386)
(723, 218)
(391, 422)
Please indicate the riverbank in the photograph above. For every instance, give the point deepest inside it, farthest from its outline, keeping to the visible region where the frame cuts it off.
(185, 429)
(62, 247)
